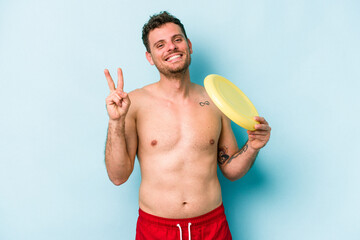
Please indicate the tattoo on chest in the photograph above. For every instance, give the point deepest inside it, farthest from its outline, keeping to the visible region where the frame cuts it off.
(204, 103)
(223, 156)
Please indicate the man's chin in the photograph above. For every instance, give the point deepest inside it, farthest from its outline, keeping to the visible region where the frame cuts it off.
(174, 71)
(179, 69)
(174, 74)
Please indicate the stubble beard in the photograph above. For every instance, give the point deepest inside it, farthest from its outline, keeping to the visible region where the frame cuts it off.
(175, 72)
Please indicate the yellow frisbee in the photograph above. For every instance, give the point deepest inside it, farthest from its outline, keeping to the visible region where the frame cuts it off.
(231, 101)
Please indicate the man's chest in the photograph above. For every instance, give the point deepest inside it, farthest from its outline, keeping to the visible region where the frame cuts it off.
(163, 127)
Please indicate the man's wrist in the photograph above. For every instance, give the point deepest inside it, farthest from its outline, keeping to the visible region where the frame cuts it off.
(117, 124)
(253, 150)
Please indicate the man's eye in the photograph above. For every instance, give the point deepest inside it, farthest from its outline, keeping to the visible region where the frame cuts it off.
(160, 45)
(178, 40)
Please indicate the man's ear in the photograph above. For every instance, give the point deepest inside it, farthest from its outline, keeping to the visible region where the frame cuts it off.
(190, 46)
(149, 58)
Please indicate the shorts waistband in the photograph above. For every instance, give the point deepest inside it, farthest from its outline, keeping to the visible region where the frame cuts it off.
(213, 215)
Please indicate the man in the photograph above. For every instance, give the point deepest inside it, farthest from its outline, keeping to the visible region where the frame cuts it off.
(178, 141)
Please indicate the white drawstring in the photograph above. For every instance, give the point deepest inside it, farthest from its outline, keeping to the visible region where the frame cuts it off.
(189, 224)
(180, 231)
(189, 230)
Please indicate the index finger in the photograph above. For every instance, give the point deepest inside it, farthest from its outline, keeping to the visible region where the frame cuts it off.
(109, 80)
(260, 120)
(120, 83)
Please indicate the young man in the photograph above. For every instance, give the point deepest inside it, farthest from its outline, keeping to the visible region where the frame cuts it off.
(178, 141)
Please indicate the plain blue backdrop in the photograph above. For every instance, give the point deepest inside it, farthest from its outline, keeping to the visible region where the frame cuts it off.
(298, 61)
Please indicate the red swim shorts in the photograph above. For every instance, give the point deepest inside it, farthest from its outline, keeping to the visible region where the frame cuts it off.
(210, 226)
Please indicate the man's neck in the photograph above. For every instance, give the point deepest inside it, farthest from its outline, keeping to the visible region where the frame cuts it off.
(175, 87)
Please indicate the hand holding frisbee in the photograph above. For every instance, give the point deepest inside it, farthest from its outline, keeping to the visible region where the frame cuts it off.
(231, 101)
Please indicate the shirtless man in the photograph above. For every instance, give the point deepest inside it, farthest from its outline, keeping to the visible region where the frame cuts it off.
(178, 139)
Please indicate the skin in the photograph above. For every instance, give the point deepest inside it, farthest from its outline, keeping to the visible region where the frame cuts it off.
(177, 133)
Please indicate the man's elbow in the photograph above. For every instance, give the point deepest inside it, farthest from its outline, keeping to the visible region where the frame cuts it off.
(234, 176)
(119, 181)
(119, 177)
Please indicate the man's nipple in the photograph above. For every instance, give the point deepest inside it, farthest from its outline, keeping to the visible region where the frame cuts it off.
(153, 142)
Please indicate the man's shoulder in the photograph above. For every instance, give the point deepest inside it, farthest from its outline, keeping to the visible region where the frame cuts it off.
(141, 92)
(139, 97)
(200, 92)
(204, 99)
(199, 89)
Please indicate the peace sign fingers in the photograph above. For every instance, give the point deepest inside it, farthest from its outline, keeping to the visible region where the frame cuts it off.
(120, 83)
(118, 102)
(109, 80)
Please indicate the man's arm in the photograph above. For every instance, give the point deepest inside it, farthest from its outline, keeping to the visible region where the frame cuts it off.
(120, 150)
(121, 142)
(234, 162)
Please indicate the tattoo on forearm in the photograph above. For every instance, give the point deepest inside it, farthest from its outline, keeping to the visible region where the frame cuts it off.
(223, 156)
(204, 103)
(238, 153)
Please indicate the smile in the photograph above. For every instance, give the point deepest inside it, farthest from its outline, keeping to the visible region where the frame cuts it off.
(174, 57)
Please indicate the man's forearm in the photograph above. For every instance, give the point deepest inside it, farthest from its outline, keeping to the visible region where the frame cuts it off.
(248, 159)
(117, 159)
(237, 165)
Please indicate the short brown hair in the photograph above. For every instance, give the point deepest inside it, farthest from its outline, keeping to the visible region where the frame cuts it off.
(157, 21)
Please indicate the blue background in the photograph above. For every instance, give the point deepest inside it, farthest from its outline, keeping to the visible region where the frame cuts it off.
(298, 61)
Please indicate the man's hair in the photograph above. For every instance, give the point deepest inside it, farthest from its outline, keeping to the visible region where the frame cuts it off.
(157, 21)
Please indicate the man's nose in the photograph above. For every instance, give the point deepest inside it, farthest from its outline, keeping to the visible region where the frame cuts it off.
(171, 47)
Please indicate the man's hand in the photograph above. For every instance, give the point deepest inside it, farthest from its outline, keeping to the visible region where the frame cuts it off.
(118, 101)
(261, 135)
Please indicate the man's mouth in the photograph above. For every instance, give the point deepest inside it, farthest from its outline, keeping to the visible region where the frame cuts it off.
(173, 58)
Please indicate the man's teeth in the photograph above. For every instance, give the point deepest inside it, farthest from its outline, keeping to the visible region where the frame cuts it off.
(173, 57)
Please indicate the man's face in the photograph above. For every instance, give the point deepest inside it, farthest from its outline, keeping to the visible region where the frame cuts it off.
(170, 51)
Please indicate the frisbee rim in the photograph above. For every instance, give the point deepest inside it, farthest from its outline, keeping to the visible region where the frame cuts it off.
(217, 96)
